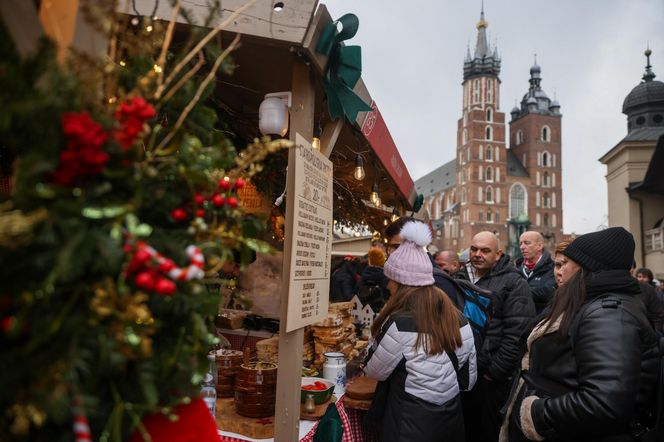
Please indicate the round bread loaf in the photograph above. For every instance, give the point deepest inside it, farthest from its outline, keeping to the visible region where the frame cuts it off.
(361, 388)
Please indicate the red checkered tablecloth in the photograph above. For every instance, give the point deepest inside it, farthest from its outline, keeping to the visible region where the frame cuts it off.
(358, 427)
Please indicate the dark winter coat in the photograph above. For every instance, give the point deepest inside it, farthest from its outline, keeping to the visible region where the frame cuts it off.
(653, 304)
(419, 392)
(598, 383)
(373, 276)
(444, 282)
(541, 280)
(342, 282)
(513, 311)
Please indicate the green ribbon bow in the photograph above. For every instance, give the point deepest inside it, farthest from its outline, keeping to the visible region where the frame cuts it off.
(417, 205)
(344, 68)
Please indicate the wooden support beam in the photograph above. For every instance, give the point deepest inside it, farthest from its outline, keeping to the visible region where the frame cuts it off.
(329, 136)
(22, 22)
(287, 417)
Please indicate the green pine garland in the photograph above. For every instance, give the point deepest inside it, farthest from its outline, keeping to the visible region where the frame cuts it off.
(75, 325)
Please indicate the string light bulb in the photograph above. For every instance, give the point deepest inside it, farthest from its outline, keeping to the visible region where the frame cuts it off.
(359, 174)
(315, 141)
(374, 197)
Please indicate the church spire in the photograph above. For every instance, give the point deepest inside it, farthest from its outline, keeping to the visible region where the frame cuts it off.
(648, 75)
(485, 60)
(482, 46)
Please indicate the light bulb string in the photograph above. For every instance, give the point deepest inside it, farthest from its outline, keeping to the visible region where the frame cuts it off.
(138, 14)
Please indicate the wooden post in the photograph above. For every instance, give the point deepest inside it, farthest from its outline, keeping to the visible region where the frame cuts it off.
(287, 417)
(330, 135)
(22, 22)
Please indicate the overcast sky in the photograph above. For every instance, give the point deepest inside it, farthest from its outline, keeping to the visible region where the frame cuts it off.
(590, 51)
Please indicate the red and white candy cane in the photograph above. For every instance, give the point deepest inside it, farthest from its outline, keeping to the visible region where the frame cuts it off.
(81, 426)
(193, 271)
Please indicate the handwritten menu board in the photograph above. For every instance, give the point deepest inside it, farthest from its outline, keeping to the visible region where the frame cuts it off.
(311, 240)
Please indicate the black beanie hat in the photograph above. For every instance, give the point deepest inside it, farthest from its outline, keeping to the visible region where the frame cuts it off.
(609, 249)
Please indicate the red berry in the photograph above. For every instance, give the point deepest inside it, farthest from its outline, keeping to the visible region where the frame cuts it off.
(145, 281)
(232, 201)
(7, 323)
(141, 256)
(199, 199)
(200, 213)
(218, 200)
(239, 183)
(179, 214)
(224, 184)
(166, 265)
(165, 287)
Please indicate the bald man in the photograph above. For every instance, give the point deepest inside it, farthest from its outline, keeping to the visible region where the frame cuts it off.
(498, 358)
(447, 260)
(537, 267)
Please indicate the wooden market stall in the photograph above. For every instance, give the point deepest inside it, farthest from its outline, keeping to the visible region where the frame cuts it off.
(277, 52)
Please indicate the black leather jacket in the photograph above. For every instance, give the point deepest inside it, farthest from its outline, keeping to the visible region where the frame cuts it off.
(541, 280)
(602, 379)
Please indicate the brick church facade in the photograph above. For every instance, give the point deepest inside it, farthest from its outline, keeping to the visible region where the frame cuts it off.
(494, 185)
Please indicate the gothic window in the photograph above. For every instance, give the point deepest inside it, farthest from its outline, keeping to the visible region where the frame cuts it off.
(545, 180)
(488, 133)
(489, 92)
(519, 137)
(489, 153)
(517, 200)
(545, 200)
(489, 195)
(546, 134)
(488, 114)
(546, 219)
(489, 216)
(546, 159)
(476, 91)
(497, 218)
(489, 174)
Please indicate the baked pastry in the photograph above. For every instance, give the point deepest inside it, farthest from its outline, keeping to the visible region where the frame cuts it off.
(361, 388)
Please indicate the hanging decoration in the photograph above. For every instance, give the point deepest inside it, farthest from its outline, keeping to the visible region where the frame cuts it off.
(344, 68)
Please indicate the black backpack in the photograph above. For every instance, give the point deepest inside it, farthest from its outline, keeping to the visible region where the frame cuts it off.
(476, 304)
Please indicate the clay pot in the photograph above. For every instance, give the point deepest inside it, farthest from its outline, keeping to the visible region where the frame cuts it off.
(256, 389)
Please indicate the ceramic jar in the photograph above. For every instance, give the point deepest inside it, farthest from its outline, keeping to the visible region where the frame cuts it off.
(334, 369)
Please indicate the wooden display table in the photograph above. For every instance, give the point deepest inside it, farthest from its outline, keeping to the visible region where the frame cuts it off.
(228, 421)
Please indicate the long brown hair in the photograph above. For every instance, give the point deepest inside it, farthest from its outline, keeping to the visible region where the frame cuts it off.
(436, 317)
(566, 301)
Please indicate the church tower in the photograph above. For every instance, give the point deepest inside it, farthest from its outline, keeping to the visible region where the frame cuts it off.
(535, 140)
(481, 156)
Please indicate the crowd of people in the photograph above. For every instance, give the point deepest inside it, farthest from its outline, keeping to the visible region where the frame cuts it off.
(571, 351)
